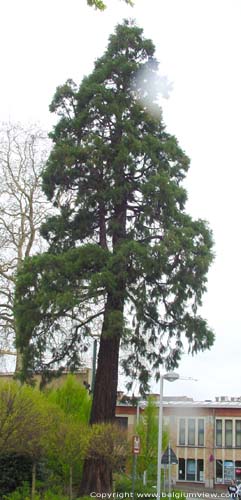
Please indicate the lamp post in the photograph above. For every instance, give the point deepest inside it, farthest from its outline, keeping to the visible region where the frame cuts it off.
(171, 377)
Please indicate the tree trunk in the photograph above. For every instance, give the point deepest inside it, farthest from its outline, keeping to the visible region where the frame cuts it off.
(33, 481)
(97, 474)
(19, 361)
(97, 477)
(106, 380)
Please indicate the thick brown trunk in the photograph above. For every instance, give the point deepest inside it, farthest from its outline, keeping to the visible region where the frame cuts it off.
(97, 474)
(106, 380)
(97, 477)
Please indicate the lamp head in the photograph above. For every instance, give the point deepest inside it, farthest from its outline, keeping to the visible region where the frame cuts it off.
(171, 376)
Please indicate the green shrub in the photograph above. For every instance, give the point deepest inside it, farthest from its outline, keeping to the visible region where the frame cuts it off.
(123, 484)
(21, 493)
(15, 469)
(83, 498)
(50, 495)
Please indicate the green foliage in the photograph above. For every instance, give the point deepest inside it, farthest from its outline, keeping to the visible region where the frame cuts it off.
(100, 5)
(25, 423)
(108, 444)
(49, 495)
(15, 470)
(123, 484)
(68, 443)
(73, 398)
(115, 176)
(24, 420)
(58, 280)
(69, 439)
(147, 429)
(23, 493)
(49, 426)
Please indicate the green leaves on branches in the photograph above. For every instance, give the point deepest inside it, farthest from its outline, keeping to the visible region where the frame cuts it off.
(125, 261)
(99, 5)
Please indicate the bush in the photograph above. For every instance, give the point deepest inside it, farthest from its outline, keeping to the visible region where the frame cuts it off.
(15, 469)
(123, 484)
(50, 495)
(21, 493)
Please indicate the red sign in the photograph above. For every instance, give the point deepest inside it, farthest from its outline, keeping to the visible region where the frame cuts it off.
(136, 445)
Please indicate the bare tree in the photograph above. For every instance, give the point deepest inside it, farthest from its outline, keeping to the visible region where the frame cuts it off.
(23, 206)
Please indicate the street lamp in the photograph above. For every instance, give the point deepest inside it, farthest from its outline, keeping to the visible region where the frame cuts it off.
(171, 377)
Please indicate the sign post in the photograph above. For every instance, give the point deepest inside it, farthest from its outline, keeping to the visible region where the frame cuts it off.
(136, 448)
(169, 458)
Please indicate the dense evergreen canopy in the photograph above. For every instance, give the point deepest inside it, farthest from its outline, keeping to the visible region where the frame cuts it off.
(121, 232)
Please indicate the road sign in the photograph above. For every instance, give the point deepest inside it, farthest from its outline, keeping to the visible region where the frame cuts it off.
(169, 457)
(136, 445)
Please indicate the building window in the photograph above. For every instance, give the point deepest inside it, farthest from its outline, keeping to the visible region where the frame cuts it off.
(201, 432)
(238, 433)
(181, 469)
(122, 422)
(182, 433)
(238, 470)
(190, 470)
(219, 471)
(228, 433)
(218, 432)
(228, 470)
(200, 470)
(191, 431)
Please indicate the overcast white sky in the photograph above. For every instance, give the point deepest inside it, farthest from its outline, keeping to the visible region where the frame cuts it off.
(44, 42)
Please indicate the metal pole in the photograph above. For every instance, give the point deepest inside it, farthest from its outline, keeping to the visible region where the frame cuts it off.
(134, 475)
(159, 452)
(135, 456)
(94, 365)
(137, 413)
(169, 470)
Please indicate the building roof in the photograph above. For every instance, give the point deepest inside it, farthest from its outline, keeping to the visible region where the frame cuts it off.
(185, 402)
(202, 404)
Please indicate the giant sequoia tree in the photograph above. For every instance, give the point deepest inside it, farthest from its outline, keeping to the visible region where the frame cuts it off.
(124, 257)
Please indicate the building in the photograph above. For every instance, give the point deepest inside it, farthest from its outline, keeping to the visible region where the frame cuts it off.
(84, 376)
(205, 436)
